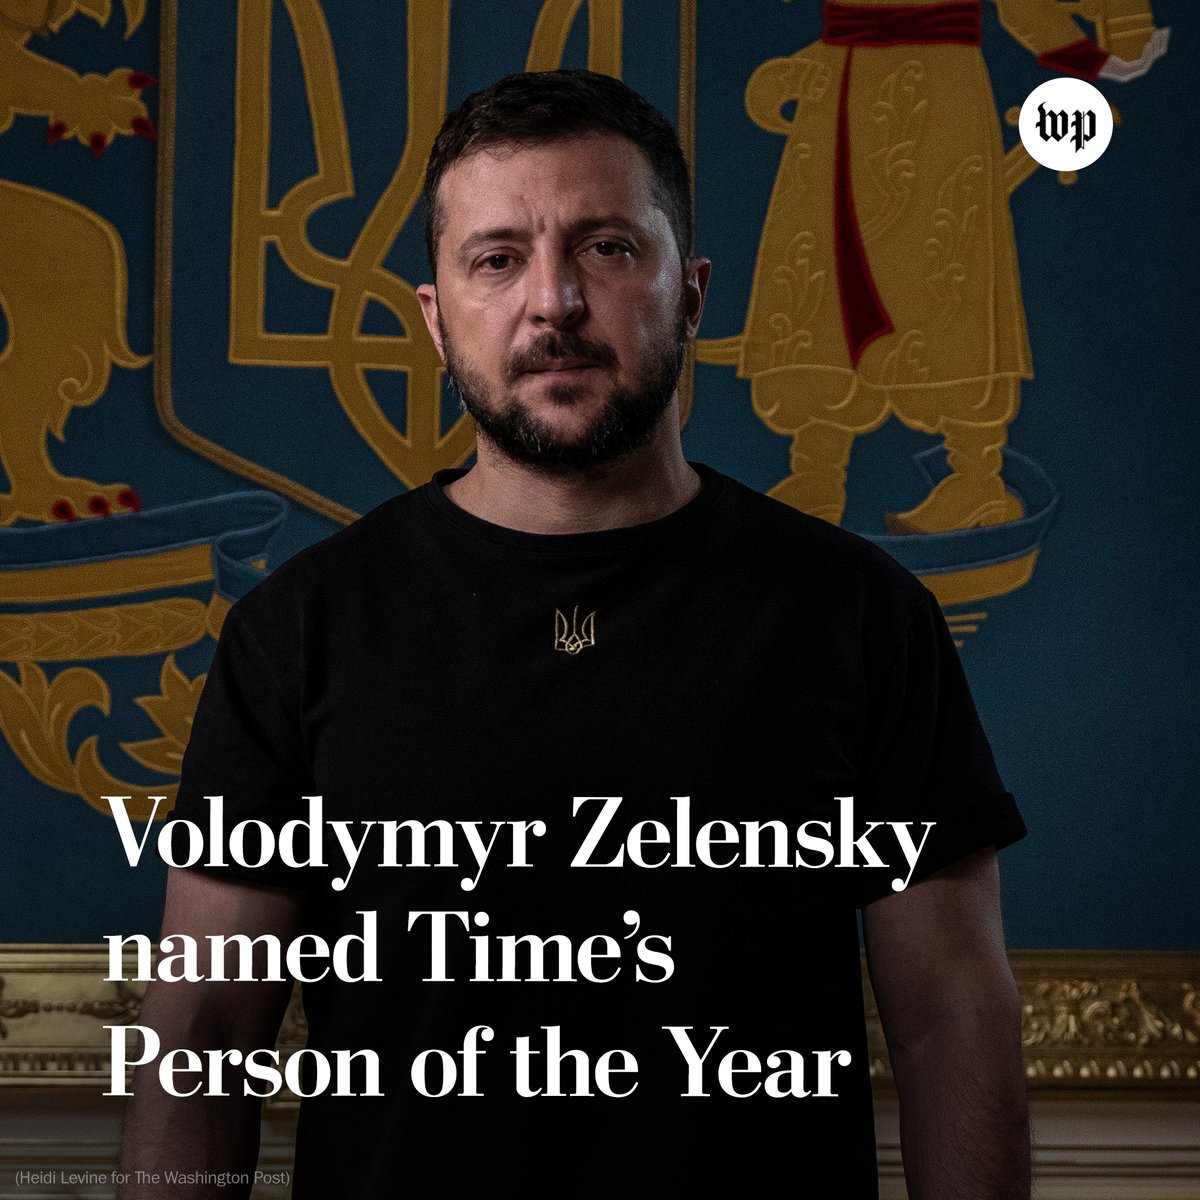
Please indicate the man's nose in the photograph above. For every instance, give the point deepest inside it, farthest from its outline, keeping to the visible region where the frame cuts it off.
(554, 296)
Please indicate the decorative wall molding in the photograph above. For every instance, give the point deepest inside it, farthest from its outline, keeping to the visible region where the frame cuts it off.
(1115, 1022)
(1099, 1022)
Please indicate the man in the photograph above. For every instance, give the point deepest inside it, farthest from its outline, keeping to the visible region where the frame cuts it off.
(584, 633)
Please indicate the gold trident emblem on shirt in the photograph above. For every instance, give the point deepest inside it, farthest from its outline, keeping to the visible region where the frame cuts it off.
(573, 637)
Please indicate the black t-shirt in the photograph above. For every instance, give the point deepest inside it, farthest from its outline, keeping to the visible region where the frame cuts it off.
(734, 663)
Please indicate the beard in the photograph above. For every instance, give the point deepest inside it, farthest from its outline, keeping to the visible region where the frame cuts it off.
(625, 423)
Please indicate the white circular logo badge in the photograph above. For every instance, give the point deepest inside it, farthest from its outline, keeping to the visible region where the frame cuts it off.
(1066, 124)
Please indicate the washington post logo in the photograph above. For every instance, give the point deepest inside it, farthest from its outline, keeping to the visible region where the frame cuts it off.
(1055, 125)
(1066, 124)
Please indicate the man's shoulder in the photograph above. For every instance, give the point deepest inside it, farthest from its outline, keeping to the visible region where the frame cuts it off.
(812, 552)
(321, 575)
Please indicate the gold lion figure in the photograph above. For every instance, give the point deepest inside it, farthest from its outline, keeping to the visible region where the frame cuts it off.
(63, 278)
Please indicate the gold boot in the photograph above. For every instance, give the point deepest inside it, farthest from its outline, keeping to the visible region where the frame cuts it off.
(817, 484)
(973, 495)
(818, 493)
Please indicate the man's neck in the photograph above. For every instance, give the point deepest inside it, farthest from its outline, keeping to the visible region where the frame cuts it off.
(651, 483)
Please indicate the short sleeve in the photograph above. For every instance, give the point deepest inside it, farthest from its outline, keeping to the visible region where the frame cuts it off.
(929, 760)
(246, 746)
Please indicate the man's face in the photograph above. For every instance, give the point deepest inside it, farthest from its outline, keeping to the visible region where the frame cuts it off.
(561, 307)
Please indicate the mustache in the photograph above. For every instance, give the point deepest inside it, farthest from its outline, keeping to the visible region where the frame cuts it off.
(557, 345)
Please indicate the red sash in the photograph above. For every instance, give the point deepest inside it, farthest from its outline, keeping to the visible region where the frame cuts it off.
(956, 23)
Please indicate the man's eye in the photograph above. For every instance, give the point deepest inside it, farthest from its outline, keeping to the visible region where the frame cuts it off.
(607, 249)
(497, 262)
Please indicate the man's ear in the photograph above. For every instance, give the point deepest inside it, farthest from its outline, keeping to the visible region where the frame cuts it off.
(696, 273)
(427, 294)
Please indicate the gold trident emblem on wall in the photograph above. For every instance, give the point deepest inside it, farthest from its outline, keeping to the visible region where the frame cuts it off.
(360, 279)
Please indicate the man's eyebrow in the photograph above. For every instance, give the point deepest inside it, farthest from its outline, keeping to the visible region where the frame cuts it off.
(587, 225)
(482, 237)
(579, 228)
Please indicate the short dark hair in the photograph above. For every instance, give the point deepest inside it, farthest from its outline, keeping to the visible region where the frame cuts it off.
(536, 107)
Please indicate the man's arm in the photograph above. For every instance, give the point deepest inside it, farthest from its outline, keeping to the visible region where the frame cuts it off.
(951, 1017)
(203, 1133)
